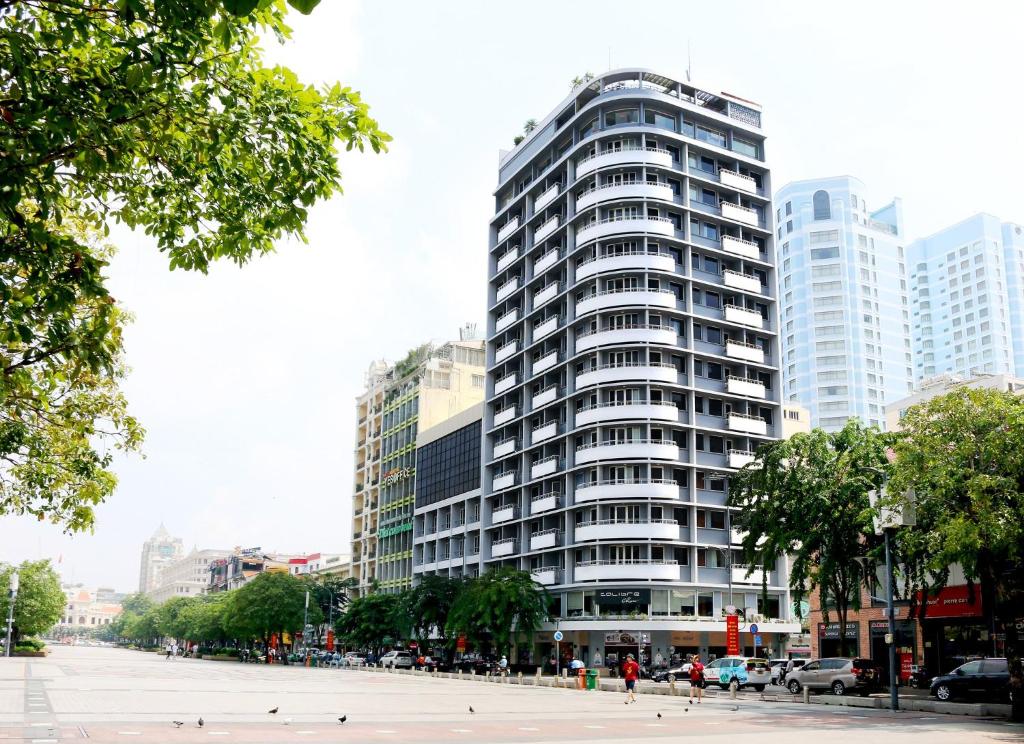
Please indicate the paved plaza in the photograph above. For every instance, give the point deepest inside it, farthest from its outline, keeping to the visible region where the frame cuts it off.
(115, 695)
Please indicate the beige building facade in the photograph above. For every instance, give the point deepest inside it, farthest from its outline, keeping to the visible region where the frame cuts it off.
(159, 551)
(186, 577)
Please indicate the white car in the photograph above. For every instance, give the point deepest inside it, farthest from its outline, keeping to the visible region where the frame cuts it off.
(396, 660)
(748, 672)
(353, 659)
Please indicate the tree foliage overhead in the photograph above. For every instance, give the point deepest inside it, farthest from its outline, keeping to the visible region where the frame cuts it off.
(41, 601)
(505, 603)
(807, 497)
(273, 602)
(428, 605)
(162, 116)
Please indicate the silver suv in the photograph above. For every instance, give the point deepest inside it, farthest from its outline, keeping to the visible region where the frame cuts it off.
(836, 674)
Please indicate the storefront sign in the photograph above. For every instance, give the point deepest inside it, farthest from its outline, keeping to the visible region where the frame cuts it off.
(687, 638)
(641, 597)
(831, 630)
(629, 639)
(732, 635)
(954, 601)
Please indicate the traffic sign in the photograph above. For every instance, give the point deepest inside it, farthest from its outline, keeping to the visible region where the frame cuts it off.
(558, 635)
(753, 627)
(757, 640)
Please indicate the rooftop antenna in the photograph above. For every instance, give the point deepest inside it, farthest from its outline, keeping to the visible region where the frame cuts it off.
(688, 61)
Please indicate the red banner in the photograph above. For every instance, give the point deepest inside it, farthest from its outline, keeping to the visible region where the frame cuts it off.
(732, 635)
(954, 601)
(460, 644)
(330, 639)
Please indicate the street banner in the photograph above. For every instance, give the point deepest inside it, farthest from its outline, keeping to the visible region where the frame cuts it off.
(330, 639)
(732, 635)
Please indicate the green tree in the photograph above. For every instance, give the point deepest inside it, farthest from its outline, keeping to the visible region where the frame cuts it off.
(40, 602)
(162, 116)
(136, 604)
(203, 619)
(807, 497)
(371, 622)
(962, 457)
(170, 620)
(273, 602)
(428, 605)
(505, 603)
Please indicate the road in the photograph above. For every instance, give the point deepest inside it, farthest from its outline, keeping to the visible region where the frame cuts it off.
(116, 695)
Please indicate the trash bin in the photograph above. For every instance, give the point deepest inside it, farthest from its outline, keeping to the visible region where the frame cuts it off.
(581, 678)
(591, 679)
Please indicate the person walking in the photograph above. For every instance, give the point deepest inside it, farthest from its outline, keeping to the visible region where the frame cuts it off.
(168, 650)
(696, 678)
(630, 672)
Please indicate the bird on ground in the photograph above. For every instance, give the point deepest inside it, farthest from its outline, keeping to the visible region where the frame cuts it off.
(659, 716)
(471, 709)
(273, 711)
(735, 708)
(686, 710)
(178, 724)
(343, 719)
(200, 721)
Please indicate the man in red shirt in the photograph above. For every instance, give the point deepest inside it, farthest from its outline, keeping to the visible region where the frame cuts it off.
(696, 678)
(630, 672)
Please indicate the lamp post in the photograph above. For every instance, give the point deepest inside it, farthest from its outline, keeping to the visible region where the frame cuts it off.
(888, 518)
(12, 595)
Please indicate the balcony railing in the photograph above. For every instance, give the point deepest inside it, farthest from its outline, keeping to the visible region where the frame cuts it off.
(624, 148)
(623, 218)
(663, 254)
(624, 327)
(614, 442)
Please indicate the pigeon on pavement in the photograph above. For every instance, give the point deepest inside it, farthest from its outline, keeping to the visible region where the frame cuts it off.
(178, 724)
(273, 711)
(471, 709)
(659, 716)
(343, 719)
(200, 721)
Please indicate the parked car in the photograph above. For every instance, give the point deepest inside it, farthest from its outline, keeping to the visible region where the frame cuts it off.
(353, 659)
(982, 677)
(678, 672)
(778, 667)
(836, 674)
(747, 672)
(396, 660)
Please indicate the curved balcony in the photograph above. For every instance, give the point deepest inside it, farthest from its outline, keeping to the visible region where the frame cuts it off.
(658, 411)
(598, 229)
(545, 229)
(546, 197)
(619, 191)
(622, 156)
(617, 490)
(630, 334)
(625, 261)
(620, 297)
(654, 371)
(612, 529)
(635, 449)
(638, 569)
(547, 576)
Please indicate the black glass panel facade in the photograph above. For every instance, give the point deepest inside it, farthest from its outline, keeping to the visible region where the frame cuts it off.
(448, 466)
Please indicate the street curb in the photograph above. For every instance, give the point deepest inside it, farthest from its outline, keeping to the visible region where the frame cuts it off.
(984, 710)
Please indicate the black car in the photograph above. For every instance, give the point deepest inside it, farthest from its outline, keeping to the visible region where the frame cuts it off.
(471, 662)
(989, 678)
(680, 672)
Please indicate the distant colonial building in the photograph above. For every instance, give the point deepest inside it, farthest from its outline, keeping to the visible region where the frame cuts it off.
(88, 608)
(314, 564)
(186, 577)
(157, 552)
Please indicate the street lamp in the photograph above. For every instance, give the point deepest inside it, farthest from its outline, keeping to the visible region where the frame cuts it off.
(12, 595)
(888, 518)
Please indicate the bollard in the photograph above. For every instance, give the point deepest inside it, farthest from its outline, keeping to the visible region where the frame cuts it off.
(460, 673)
(733, 686)
(807, 694)
(672, 688)
(538, 675)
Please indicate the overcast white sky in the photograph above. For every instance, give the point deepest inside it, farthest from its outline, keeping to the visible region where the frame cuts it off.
(245, 379)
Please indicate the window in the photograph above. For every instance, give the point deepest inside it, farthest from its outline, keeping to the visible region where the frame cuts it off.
(660, 120)
(819, 254)
(823, 236)
(743, 147)
(711, 136)
(622, 116)
(822, 207)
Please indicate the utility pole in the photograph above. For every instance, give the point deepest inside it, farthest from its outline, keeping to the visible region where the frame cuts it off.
(12, 595)
(894, 696)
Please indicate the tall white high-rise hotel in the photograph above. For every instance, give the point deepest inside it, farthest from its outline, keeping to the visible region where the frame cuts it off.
(846, 321)
(632, 360)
